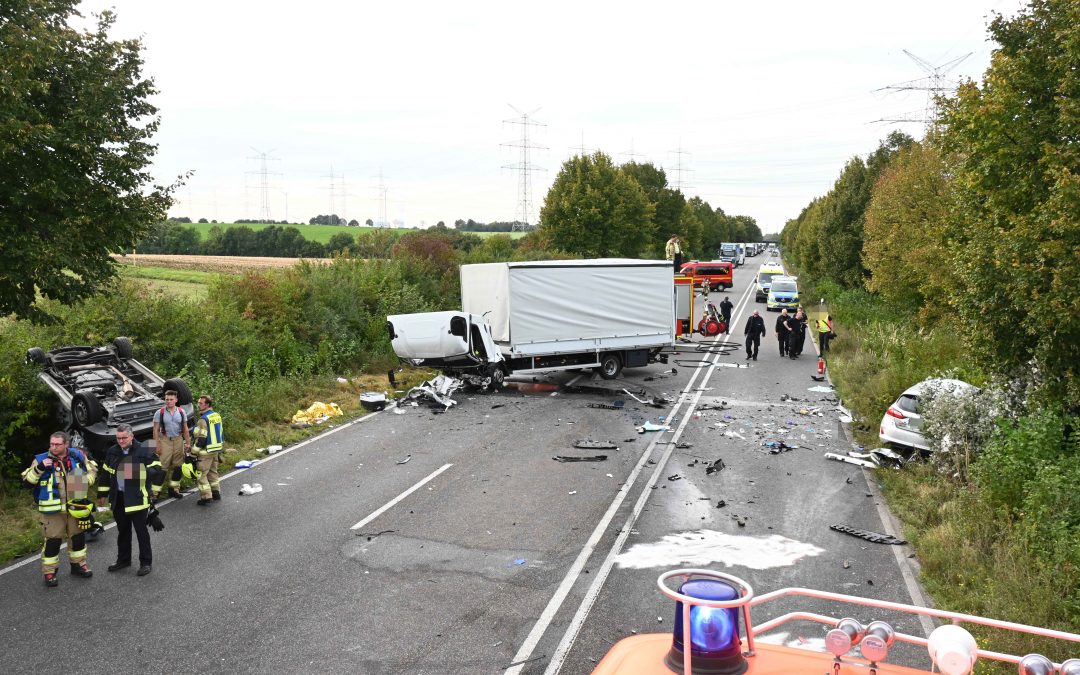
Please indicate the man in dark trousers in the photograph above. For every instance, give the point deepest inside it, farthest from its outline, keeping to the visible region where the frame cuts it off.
(799, 338)
(725, 311)
(755, 329)
(134, 473)
(781, 329)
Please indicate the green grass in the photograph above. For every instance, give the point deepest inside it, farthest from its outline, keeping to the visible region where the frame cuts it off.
(320, 233)
(168, 274)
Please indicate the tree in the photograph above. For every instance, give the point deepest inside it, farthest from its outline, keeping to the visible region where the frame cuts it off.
(75, 130)
(668, 205)
(1018, 177)
(369, 222)
(354, 223)
(595, 209)
(342, 242)
(202, 220)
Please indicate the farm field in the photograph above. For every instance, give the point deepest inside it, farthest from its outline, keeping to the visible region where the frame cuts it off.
(319, 233)
(207, 265)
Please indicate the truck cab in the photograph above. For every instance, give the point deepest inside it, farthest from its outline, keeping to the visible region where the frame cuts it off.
(455, 341)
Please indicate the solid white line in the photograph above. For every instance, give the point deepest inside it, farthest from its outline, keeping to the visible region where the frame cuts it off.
(161, 504)
(390, 504)
(574, 572)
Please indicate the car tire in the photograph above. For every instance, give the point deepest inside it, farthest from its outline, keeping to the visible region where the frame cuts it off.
(86, 410)
(36, 355)
(122, 347)
(498, 378)
(610, 366)
(183, 392)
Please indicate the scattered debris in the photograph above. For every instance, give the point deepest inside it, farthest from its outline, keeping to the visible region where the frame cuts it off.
(252, 489)
(684, 446)
(498, 405)
(519, 561)
(573, 458)
(776, 447)
(875, 537)
(851, 460)
(721, 504)
(847, 564)
(438, 390)
(615, 405)
(722, 405)
(317, 413)
(273, 449)
(406, 460)
(244, 464)
(715, 467)
(595, 445)
(572, 492)
(821, 389)
(674, 477)
(299, 425)
(817, 378)
(373, 400)
(649, 426)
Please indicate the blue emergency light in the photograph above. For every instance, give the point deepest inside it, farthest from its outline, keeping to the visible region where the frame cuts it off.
(715, 648)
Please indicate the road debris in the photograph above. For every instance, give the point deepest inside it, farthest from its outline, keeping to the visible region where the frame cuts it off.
(674, 477)
(776, 447)
(649, 426)
(721, 504)
(373, 400)
(573, 458)
(438, 390)
(715, 467)
(586, 444)
(614, 405)
(406, 460)
(274, 449)
(317, 413)
(722, 405)
(252, 489)
(868, 535)
(851, 460)
(244, 464)
(821, 389)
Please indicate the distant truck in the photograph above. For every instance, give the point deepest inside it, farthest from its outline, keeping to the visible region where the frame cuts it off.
(732, 253)
(533, 317)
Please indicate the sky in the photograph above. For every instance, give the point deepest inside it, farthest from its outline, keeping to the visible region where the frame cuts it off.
(408, 112)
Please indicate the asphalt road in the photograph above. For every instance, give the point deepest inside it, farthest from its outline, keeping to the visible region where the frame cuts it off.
(480, 551)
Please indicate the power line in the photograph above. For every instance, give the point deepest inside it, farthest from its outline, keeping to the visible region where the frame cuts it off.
(524, 167)
(264, 182)
(934, 84)
(679, 170)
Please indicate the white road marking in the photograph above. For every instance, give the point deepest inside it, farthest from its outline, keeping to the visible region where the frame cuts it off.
(542, 624)
(37, 556)
(390, 504)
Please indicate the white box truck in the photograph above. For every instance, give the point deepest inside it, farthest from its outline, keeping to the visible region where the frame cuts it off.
(531, 317)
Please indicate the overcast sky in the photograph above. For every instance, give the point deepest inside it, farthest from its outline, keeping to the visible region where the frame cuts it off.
(766, 100)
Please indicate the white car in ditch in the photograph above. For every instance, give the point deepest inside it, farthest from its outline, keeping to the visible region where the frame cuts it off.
(902, 423)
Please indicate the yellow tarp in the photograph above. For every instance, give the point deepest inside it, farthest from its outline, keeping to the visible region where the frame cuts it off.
(317, 413)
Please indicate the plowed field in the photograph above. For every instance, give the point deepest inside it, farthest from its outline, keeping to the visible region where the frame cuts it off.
(225, 264)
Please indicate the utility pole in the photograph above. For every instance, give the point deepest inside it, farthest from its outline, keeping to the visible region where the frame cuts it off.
(632, 155)
(333, 186)
(581, 149)
(679, 170)
(524, 167)
(934, 84)
(381, 190)
(264, 182)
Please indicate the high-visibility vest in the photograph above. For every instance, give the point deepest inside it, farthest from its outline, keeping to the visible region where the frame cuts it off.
(53, 489)
(823, 326)
(215, 439)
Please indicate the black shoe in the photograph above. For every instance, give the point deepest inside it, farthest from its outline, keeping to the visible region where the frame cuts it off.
(175, 494)
(143, 571)
(747, 357)
(755, 358)
(204, 501)
(216, 495)
(119, 565)
(51, 581)
(81, 570)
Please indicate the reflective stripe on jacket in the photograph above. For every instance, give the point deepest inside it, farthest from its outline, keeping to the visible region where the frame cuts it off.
(140, 469)
(63, 481)
(211, 438)
(823, 326)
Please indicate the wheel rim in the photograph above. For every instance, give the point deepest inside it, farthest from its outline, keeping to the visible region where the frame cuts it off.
(611, 366)
(80, 413)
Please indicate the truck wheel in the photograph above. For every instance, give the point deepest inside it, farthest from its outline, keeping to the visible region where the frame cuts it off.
(183, 392)
(498, 377)
(85, 409)
(610, 366)
(122, 347)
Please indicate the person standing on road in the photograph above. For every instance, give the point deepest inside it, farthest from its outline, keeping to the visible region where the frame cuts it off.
(209, 441)
(755, 329)
(673, 251)
(63, 476)
(171, 442)
(134, 471)
(725, 311)
(792, 336)
(800, 335)
(782, 331)
(824, 327)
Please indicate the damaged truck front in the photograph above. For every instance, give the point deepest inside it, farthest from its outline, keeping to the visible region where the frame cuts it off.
(540, 316)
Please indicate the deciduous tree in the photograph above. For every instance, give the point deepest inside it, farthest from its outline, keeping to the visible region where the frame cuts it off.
(75, 130)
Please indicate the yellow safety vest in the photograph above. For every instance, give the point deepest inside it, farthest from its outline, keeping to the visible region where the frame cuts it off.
(215, 439)
(823, 326)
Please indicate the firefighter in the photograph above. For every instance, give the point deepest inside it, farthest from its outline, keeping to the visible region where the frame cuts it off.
(134, 472)
(171, 442)
(207, 449)
(63, 476)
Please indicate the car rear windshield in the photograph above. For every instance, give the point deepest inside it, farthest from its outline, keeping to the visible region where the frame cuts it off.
(783, 287)
(909, 403)
(766, 277)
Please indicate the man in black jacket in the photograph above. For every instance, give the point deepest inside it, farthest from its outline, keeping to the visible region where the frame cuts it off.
(134, 473)
(755, 329)
(781, 330)
(725, 311)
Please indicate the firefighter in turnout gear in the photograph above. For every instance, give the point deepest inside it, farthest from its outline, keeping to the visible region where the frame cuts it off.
(63, 476)
(207, 449)
(134, 472)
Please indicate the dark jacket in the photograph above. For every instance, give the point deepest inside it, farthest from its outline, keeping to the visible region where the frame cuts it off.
(725, 308)
(755, 325)
(143, 472)
(781, 325)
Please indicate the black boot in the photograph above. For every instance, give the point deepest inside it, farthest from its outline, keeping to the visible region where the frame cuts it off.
(81, 570)
(51, 581)
(216, 495)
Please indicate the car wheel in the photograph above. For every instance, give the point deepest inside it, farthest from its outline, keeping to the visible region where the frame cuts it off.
(610, 366)
(85, 409)
(498, 377)
(183, 392)
(36, 355)
(122, 347)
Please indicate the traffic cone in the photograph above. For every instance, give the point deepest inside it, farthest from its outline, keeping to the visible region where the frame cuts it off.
(821, 365)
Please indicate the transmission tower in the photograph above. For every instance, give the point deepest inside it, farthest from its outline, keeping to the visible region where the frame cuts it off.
(581, 149)
(264, 182)
(679, 170)
(632, 155)
(934, 84)
(524, 167)
(333, 190)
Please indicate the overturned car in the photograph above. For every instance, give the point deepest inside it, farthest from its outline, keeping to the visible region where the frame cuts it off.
(101, 387)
